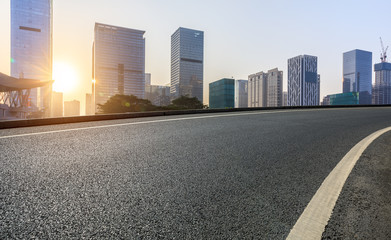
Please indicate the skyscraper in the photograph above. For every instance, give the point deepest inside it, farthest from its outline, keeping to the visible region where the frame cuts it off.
(357, 72)
(187, 63)
(303, 81)
(241, 93)
(31, 46)
(382, 87)
(274, 88)
(118, 62)
(257, 90)
(265, 89)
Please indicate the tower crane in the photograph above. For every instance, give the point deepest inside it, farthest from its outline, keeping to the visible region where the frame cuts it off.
(383, 55)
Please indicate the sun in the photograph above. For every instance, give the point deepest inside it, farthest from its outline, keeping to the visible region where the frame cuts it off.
(65, 77)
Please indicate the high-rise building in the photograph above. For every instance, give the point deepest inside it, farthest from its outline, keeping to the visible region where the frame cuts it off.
(265, 89)
(257, 90)
(31, 47)
(382, 87)
(187, 63)
(357, 72)
(118, 62)
(71, 108)
(241, 94)
(89, 104)
(222, 93)
(57, 104)
(303, 81)
(274, 88)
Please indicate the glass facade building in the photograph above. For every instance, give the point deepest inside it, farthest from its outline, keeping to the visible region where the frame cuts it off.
(303, 81)
(241, 94)
(222, 93)
(31, 46)
(357, 72)
(187, 63)
(351, 98)
(118, 62)
(382, 87)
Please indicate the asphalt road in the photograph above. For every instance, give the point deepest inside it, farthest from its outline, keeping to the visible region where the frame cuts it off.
(216, 176)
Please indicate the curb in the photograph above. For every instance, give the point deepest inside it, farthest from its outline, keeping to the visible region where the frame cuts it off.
(104, 117)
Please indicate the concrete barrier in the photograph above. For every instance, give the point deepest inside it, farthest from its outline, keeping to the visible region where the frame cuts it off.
(102, 117)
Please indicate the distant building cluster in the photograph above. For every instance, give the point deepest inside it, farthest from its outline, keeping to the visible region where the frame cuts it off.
(357, 87)
(118, 67)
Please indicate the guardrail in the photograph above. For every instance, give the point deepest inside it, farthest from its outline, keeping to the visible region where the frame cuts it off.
(102, 117)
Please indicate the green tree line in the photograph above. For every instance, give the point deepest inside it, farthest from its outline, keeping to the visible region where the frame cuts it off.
(130, 103)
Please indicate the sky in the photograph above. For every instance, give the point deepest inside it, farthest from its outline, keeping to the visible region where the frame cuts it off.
(242, 37)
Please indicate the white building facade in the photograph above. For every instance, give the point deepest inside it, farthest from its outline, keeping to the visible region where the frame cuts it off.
(265, 89)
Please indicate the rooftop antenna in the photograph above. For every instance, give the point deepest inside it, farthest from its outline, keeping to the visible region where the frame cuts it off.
(383, 55)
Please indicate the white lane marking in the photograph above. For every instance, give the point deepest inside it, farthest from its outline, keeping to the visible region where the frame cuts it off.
(152, 121)
(316, 215)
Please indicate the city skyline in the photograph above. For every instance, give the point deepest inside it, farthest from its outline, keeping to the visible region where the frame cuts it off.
(227, 42)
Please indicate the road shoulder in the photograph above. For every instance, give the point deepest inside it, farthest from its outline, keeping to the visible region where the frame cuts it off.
(363, 210)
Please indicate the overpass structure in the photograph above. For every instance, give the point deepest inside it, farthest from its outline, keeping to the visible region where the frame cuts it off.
(15, 94)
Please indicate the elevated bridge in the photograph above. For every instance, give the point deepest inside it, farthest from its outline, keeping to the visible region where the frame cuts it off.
(15, 94)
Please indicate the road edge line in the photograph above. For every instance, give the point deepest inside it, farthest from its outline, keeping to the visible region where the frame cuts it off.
(312, 222)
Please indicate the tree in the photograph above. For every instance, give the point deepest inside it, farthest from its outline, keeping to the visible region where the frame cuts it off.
(125, 103)
(185, 102)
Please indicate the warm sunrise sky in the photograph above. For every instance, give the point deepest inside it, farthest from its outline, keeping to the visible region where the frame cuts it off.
(241, 36)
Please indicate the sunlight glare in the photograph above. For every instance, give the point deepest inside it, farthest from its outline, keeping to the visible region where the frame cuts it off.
(65, 77)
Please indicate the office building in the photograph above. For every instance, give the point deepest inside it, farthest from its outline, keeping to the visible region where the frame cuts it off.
(241, 94)
(382, 87)
(265, 89)
(158, 95)
(303, 81)
(187, 63)
(357, 72)
(71, 108)
(89, 104)
(31, 47)
(57, 104)
(349, 98)
(222, 93)
(118, 62)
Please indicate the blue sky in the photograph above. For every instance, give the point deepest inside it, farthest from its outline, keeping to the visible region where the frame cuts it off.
(241, 37)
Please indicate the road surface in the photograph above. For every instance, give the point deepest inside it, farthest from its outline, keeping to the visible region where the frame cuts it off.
(208, 176)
